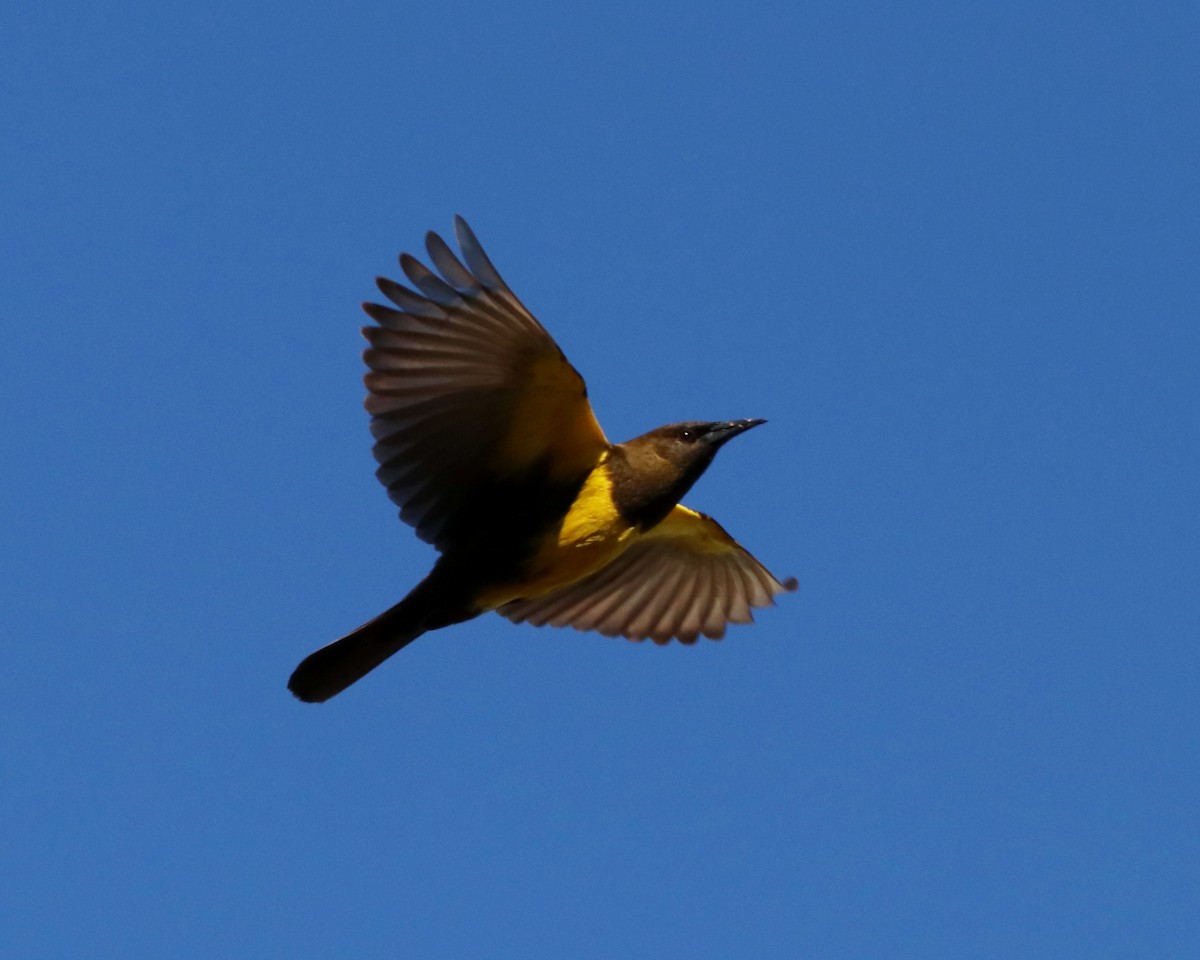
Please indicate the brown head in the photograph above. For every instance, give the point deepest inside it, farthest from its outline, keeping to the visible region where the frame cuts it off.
(651, 473)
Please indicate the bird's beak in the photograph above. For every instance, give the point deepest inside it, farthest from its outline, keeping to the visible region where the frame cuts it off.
(722, 432)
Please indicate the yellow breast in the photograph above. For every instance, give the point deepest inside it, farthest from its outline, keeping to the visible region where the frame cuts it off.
(590, 536)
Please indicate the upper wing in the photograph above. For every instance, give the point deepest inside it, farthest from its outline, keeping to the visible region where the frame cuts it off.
(468, 394)
(684, 578)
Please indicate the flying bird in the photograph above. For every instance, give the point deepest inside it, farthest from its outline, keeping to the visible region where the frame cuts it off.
(487, 443)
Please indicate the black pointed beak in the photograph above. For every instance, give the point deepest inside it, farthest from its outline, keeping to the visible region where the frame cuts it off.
(722, 431)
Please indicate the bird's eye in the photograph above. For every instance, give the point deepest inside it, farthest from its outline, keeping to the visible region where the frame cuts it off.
(687, 435)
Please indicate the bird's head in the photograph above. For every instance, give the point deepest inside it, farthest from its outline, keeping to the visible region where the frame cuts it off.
(656, 469)
(696, 440)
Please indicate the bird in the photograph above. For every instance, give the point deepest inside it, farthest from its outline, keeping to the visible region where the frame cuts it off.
(486, 441)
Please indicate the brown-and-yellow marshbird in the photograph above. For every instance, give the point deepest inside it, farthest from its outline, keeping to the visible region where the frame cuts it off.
(487, 443)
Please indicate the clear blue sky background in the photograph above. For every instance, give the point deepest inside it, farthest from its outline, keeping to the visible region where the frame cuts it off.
(949, 250)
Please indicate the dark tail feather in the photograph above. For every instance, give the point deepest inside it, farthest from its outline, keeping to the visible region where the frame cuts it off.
(330, 670)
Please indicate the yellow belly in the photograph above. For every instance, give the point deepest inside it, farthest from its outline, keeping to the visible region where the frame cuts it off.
(591, 535)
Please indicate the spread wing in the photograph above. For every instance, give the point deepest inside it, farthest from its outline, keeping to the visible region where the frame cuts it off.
(469, 396)
(684, 578)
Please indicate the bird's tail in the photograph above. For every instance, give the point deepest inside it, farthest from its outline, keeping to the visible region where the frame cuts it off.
(330, 670)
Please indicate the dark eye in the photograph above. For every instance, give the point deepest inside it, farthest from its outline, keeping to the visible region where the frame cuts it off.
(687, 435)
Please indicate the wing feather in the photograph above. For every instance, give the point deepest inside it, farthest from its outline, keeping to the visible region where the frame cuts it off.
(683, 579)
(408, 302)
(641, 612)
(469, 396)
(448, 265)
(478, 262)
(677, 619)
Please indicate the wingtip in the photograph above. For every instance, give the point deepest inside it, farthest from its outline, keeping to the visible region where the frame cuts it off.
(383, 316)
(477, 260)
(463, 233)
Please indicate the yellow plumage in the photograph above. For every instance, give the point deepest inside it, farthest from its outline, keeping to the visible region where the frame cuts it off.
(592, 534)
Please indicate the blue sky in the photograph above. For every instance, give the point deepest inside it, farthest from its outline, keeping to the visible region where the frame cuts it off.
(948, 250)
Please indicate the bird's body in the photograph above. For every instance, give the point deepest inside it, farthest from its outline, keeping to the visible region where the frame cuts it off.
(487, 443)
(590, 535)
